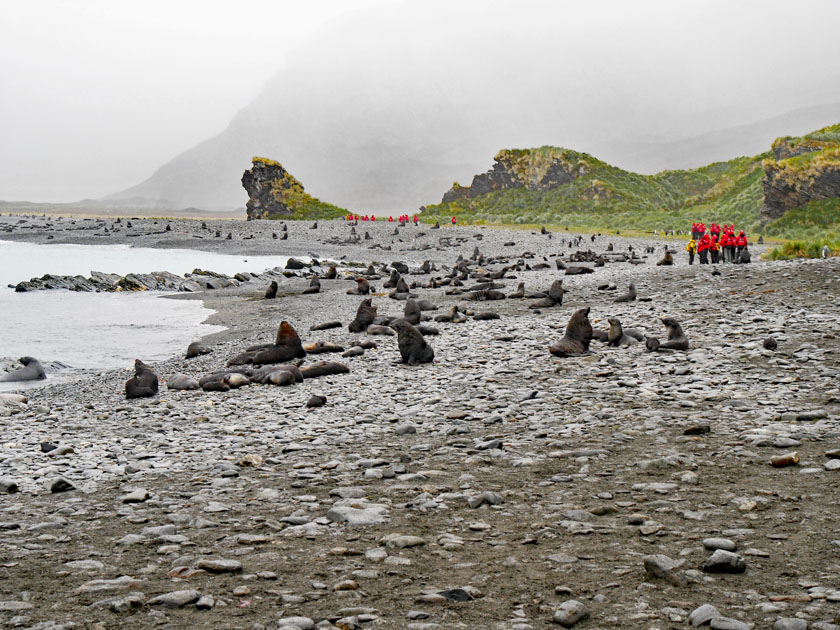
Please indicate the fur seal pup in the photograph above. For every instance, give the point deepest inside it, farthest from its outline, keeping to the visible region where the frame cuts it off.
(427, 330)
(454, 316)
(616, 336)
(770, 344)
(667, 259)
(355, 351)
(577, 337)
(414, 349)
(629, 296)
(182, 382)
(553, 297)
(324, 368)
(316, 401)
(392, 281)
(331, 273)
(578, 270)
(485, 316)
(143, 384)
(326, 326)
(411, 312)
(32, 370)
(652, 344)
(676, 337)
(196, 348)
(321, 347)
(379, 329)
(365, 315)
(362, 287)
(314, 286)
(271, 291)
(484, 295)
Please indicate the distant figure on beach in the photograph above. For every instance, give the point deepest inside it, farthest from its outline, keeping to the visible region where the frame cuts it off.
(825, 251)
(453, 221)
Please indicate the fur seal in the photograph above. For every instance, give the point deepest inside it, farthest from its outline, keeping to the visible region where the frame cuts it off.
(676, 337)
(316, 401)
(380, 329)
(667, 259)
(411, 312)
(314, 286)
(271, 291)
(331, 273)
(182, 382)
(577, 337)
(652, 344)
(321, 347)
(484, 295)
(365, 315)
(616, 336)
(392, 281)
(32, 370)
(486, 315)
(427, 330)
(600, 335)
(770, 344)
(326, 326)
(355, 351)
(143, 384)
(519, 293)
(629, 296)
(362, 287)
(553, 297)
(578, 270)
(414, 349)
(286, 346)
(195, 349)
(324, 368)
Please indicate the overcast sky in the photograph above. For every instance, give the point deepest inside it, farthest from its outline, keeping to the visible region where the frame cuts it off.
(97, 94)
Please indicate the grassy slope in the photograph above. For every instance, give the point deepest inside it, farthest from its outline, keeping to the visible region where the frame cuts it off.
(609, 198)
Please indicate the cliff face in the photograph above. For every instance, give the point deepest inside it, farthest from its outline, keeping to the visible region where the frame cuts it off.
(802, 170)
(543, 169)
(274, 193)
(268, 186)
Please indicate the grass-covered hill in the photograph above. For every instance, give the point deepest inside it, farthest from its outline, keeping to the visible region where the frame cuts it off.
(551, 185)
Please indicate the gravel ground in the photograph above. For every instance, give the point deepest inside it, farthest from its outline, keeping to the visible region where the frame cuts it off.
(498, 487)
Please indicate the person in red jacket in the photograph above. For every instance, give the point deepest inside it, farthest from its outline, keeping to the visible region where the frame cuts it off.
(453, 221)
(741, 242)
(416, 220)
(703, 249)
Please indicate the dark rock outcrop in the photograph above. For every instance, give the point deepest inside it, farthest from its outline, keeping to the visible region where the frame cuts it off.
(534, 169)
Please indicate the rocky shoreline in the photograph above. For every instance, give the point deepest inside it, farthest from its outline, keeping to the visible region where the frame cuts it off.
(497, 487)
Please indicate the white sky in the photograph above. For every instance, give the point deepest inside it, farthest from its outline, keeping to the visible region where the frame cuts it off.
(96, 94)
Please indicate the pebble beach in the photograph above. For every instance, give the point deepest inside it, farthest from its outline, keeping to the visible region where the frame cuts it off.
(497, 487)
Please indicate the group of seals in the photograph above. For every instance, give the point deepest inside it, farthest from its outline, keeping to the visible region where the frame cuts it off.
(32, 370)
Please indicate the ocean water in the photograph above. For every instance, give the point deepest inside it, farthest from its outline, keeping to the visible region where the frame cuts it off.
(96, 331)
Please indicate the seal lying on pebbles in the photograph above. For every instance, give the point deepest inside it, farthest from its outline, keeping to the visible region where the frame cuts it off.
(316, 401)
(380, 329)
(143, 384)
(323, 368)
(326, 326)
(629, 296)
(32, 370)
(553, 297)
(182, 382)
(365, 315)
(414, 349)
(616, 336)
(578, 270)
(223, 381)
(676, 337)
(321, 347)
(286, 346)
(196, 348)
(485, 316)
(577, 337)
(271, 291)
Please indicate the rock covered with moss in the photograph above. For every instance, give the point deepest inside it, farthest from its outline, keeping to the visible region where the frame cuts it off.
(801, 170)
(540, 169)
(274, 193)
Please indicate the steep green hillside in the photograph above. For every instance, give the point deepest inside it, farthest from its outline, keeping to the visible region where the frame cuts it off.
(552, 185)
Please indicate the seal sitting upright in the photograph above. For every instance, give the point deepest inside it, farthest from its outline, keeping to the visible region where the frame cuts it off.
(413, 347)
(577, 337)
(143, 384)
(32, 370)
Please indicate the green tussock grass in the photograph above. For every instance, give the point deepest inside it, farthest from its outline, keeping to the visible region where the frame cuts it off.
(803, 249)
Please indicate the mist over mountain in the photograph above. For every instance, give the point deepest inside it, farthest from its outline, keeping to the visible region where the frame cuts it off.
(382, 110)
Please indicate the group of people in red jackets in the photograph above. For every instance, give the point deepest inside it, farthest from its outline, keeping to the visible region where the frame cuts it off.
(403, 218)
(720, 243)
